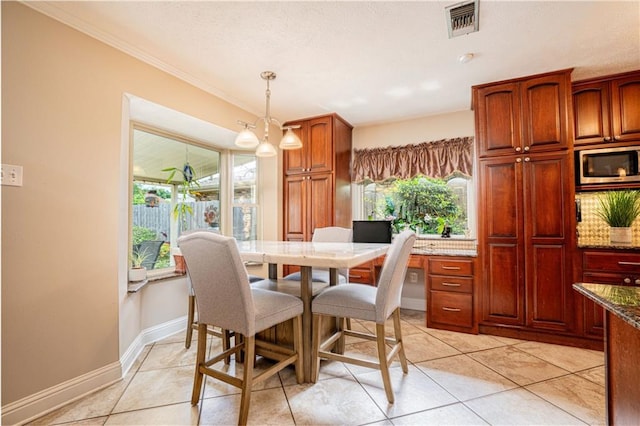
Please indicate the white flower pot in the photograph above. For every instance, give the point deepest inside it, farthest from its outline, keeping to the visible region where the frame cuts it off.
(137, 274)
(620, 235)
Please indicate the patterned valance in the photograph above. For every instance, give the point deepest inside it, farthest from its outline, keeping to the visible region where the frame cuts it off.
(437, 159)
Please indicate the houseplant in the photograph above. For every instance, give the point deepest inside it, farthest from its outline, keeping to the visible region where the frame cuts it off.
(619, 209)
(137, 272)
(182, 209)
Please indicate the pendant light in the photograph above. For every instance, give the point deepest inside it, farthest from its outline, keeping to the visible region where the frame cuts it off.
(248, 139)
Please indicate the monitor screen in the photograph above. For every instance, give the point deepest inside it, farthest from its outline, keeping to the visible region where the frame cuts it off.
(372, 231)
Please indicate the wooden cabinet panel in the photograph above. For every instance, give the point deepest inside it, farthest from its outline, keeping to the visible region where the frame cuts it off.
(523, 115)
(451, 308)
(625, 108)
(497, 119)
(611, 261)
(503, 284)
(545, 118)
(317, 193)
(591, 113)
(450, 293)
(607, 109)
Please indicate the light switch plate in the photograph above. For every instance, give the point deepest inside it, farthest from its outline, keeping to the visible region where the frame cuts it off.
(11, 175)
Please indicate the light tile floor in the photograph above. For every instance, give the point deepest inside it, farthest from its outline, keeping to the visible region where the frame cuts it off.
(453, 379)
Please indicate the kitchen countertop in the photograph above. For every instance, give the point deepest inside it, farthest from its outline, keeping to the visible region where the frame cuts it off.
(444, 252)
(622, 301)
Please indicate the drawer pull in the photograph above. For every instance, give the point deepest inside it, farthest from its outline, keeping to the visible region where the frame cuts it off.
(451, 284)
(444, 308)
(355, 276)
(451, 268)
(629, 263)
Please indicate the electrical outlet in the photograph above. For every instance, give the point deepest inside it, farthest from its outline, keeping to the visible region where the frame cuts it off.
(11, 175)
(413, 277)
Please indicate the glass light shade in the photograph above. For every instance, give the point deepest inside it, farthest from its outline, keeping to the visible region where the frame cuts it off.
(265, 149)
(247, 139)
(290, 140)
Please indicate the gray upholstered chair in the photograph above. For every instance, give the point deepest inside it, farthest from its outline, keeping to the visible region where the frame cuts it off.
(226, 299)
(192, 324)
(330, 234)
(365, 302)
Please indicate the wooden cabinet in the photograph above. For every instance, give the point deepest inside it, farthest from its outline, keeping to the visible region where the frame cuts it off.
(450, 294)
(316, 178)
(526, 206)
(605, 267)
(607, 109)
(523, 115)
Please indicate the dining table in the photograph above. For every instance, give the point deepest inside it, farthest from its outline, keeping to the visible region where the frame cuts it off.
(308, 255)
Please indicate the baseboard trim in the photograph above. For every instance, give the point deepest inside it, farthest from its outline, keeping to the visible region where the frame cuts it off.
(48, 400)
(40, 403)
(413, 304)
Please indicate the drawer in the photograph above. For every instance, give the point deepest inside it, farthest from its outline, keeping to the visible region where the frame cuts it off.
(447, 266)
(416, 261)
(361, 275)
(451, 308)
(615, 262)
(453, 283)
(609, 278)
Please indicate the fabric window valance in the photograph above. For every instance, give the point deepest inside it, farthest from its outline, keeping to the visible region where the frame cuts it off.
(437, 159)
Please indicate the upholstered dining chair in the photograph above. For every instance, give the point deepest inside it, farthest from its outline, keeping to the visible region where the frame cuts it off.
(329, 234)
(192, 323)
(365, 302)
(225, 299)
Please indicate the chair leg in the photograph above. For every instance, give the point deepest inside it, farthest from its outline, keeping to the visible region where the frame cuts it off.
(397, 329)
(315, 357)
(297, 346)
(202, 346)
(247, 382)
(226, 343)
(190, 318)
(384, 366)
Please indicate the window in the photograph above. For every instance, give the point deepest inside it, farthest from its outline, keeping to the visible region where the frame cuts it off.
(245, 207)
(425, 205)
(178, 186)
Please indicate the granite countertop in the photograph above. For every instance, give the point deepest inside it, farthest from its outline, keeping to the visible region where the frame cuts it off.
(622, 301)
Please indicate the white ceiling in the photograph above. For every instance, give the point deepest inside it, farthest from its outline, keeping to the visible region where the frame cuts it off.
(370, 62)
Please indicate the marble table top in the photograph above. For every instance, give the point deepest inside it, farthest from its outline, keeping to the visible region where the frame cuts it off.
(622, 301)
(308, 253)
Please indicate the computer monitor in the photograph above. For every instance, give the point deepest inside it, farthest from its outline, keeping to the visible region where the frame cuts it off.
(372, 231)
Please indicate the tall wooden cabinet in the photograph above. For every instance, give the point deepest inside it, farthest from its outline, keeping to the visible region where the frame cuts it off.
(317, 180)
(607, 109)
(526, 205)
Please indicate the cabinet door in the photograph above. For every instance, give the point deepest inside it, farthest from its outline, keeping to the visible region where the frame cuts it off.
(497, 119)
(501, 241)
(593, 314)
(625, 108)
(591, 113)
(295, 160)
(295, 208)
(547, 197)
(320, 201)
(319, 145)
(545, 115)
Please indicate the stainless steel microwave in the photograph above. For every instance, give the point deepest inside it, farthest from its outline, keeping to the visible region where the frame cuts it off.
(608, 165)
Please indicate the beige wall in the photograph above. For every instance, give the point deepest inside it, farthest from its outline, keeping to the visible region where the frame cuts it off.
(425, 129)
(65, 310)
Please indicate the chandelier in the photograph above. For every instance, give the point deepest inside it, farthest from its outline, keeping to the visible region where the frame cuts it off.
(248, 139)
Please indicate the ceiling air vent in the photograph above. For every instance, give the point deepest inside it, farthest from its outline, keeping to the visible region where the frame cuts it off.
(462, 18)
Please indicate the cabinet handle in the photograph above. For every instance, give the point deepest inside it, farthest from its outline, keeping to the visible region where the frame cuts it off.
(526, 149)
(518, 160)
(444, 308)
(616, 138)
(451, 284)
(527, 159)
(637, 281)
(627, 280)
(451, 268)
(607, 138)
(629, 263)
(518, 149)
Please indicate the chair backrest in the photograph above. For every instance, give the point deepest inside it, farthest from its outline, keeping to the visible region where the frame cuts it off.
(152, 250)
(392, 275)
(219, 280)
(333, 234)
